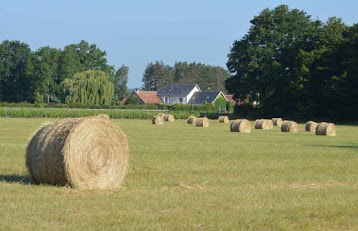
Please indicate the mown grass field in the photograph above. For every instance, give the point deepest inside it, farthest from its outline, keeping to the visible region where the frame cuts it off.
(186, 178)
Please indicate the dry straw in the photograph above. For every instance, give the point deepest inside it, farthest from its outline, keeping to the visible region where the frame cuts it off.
(289, 126)
(85, 153)
(311, 126)
(169, 118)
(240, 125)
(191, 120)
(277, 121)
(263, 124)
(104, 116)
(158, 120)
(326, 129)
(223, 119)
(202, 122)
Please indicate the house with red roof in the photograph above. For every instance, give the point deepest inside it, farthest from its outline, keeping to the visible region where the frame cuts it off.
(143, 97)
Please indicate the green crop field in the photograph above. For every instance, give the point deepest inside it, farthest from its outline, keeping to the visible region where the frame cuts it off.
(183, 177)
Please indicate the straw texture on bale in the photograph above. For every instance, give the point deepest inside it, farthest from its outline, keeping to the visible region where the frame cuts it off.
(202, 122)
(277, 121)
(169, 118)
(240, 125)
(105, 116)
(223, 119)
(157, 120)
(326, 129)
(289, 126)
(191, 120)
(263, 124)
(84, 153)
(311, 126)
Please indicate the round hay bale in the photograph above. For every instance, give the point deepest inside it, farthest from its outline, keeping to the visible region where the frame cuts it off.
(84, 153)
(202, 122)
(240, 125)
(191, 120)
(223, 119)
(311, 126)
(326, 129)
(105, 116)
(277, 121)
(169, 118)
(263, 124)
(158, 120)
(289, 126)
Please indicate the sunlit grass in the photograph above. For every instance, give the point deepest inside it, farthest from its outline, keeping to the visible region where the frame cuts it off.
(186, 178)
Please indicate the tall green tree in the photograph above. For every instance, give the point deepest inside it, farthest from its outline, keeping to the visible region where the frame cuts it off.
(45, 62)
(15, 72)
(89, 88)
(157, 75)
(263, 62)
(120, 83)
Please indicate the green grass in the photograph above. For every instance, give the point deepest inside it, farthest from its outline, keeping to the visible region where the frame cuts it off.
(186, 178)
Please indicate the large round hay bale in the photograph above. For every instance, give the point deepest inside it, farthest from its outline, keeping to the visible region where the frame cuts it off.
(223, 119)
(191, 120)
(311, 126)
(263, 124)
(277, 121)
(326, 129)
(289, 126)
(202, 122)
(84, 153)
(240, 125)
(158, 120)
(169, 118)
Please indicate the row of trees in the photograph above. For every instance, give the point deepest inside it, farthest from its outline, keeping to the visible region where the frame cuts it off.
(158, 75)
(59, 75)
(293, 65)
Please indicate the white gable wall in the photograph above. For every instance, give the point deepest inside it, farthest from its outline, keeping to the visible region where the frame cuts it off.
(185, 99)
(195, 89)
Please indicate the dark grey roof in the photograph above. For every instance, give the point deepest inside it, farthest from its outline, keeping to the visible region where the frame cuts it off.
(203, 97)
(176, 90)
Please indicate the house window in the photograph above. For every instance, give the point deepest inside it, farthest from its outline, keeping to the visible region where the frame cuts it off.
(166, 101)
(181, 100)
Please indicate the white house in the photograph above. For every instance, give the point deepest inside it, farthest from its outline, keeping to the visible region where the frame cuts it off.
(177, 93)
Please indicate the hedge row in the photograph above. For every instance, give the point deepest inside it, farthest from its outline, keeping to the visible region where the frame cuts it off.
(113, 113)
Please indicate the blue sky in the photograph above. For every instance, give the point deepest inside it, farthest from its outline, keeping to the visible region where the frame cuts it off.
(135, 33)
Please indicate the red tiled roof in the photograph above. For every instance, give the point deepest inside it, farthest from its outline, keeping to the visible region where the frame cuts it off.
(229, 98)
(149, 97)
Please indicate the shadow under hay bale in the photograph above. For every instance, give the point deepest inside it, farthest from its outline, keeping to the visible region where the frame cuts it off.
(263, 124)
(202, 122)
(191, 120)
(240, 125)
(277, 121)
(84, 153)
(289, 126)
(223, 119)
(311, 126)
(158, 120)
(169, 118)
(326, 129)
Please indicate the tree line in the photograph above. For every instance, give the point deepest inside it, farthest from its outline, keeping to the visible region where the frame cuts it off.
(158, 75)
(79, 74)
(293, 65)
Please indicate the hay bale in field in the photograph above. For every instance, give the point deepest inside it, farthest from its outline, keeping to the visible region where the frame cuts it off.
(311, 126)
(263, 124)
(326, 129)
(84, 153)
(191, 120)
(240, 125)
(223, 119)
(169, 118)
(158, 120)
(277, 121)
(289, 126)
(202, 122)
(105, 116)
